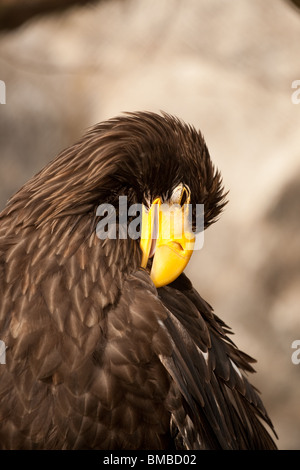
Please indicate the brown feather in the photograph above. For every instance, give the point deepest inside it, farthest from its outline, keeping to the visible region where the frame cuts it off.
(97, 358)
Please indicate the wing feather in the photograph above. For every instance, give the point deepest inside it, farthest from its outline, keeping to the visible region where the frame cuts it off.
(225, 410)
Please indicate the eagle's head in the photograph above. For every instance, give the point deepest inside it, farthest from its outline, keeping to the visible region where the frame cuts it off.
(154, 160)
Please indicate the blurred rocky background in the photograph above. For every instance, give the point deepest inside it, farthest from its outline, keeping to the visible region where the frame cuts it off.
(225, 66)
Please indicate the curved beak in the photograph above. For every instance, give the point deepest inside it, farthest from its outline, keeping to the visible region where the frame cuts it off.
(167, 237)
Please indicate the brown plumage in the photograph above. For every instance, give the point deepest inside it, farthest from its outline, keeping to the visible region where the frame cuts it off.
(97, 357)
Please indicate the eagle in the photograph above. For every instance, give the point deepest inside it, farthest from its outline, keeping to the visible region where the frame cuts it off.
(107, 343)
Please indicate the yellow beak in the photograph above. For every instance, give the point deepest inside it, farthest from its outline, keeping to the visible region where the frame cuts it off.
(167, 237)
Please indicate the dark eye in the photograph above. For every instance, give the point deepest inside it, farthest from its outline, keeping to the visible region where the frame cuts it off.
(184, 197)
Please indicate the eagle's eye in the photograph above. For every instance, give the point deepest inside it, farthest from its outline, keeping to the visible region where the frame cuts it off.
(181, 195)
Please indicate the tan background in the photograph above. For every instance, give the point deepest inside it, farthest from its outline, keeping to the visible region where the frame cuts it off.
(225, 66)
